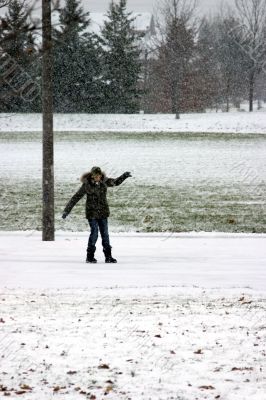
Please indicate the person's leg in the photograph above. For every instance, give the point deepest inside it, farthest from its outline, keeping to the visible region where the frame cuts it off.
(103, 225)
(92, 240)
(107, 248)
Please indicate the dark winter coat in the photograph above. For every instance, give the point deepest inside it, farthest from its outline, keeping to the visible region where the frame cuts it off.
(96, 202)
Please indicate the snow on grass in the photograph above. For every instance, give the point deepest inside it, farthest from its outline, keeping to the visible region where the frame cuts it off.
(134, 343)
(233, 122)
(180, 182)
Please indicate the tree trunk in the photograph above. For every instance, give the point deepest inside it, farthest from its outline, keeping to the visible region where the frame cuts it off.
(175, 102)
(251, 90)
(47, 109)
(228, 95)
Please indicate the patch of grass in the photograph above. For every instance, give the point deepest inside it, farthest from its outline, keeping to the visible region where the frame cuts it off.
(143, 208)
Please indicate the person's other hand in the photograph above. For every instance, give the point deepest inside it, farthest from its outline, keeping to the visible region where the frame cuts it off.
(64, 215)
(127, 174)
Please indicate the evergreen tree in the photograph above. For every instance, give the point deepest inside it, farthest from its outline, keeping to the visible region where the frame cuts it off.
(121, 61)
(18, 50)
(207, 66)
(76, 64)
(176, 53)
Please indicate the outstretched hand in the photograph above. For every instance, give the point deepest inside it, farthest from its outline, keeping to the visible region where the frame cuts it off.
(127, 174)
(64, 215)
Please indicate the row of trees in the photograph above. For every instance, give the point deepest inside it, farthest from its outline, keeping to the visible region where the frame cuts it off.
(210, 63)
(191, 64)
(92, 73)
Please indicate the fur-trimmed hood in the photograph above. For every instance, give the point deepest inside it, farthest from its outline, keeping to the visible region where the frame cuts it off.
(87, 176)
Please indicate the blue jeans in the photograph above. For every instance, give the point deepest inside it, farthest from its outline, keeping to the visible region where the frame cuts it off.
(95, 225)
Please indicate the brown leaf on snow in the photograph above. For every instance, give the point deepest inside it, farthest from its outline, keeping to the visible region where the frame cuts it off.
(92, 397)
(242, 369)
(103, 366)
(108, 389)
(207, 387)
(20, 392)
(1, 320)
(159, 336)
(71, 372)
(172, 352)
(199, 351)
(25, 387)
(56, 388)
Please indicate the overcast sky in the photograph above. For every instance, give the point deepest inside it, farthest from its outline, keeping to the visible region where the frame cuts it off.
(147, 5)
(205, 6)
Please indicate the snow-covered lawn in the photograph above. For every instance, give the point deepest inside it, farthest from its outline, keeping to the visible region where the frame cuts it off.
(178, 317)
(142, 344)
(195, 182)
(233, 122)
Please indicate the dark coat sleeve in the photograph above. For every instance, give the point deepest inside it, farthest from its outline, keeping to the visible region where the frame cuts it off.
(74, 199)
(115, 181)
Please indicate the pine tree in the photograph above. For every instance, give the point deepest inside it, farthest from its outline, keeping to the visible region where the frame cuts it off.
(208, 70)
(18, 49)
(76, 64)
(121, 61)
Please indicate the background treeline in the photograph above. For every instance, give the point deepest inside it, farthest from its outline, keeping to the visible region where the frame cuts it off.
(190, 64)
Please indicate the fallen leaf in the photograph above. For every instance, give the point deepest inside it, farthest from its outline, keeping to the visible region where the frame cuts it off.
(25, 387)
(199, 351)
(242, 369)
(108, 389)
(207, 387)
(103, 366)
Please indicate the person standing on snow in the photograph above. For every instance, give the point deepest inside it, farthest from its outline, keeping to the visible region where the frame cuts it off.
(95, 184)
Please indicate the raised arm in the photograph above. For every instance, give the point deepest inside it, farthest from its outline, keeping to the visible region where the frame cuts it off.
(117, 181)
(74, 199)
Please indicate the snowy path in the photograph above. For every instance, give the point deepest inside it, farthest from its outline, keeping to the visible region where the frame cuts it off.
(204, 260)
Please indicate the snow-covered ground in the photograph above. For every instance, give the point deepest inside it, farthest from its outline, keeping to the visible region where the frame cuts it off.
(178, 317)
(201, 259)
(233, 122)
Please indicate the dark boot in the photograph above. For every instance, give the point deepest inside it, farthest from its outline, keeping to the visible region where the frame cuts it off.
(90, 255)
(108, 255)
